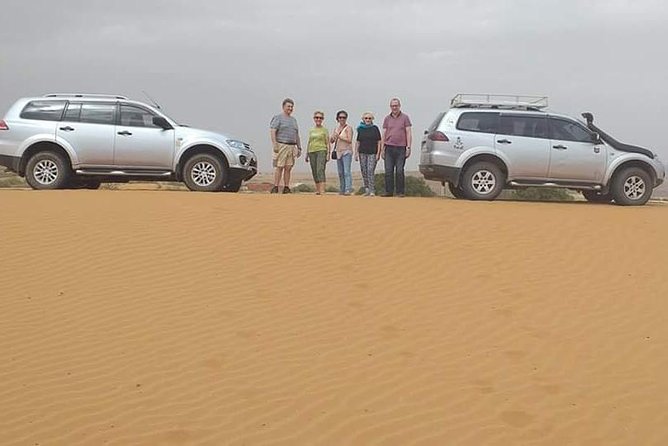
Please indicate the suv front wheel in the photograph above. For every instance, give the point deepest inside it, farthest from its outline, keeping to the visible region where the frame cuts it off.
(631, 187)
(47, 170)
(204, 173)
(482, 181)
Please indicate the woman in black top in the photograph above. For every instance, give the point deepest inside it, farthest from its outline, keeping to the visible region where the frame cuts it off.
(367, 151)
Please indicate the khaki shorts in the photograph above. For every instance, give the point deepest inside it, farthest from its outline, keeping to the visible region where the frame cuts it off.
(284, 155)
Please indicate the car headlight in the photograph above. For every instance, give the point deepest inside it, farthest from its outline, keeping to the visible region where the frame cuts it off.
(239, 145)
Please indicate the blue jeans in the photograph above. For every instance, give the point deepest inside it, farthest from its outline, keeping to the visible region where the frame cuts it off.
(344, 165)
(395, 159)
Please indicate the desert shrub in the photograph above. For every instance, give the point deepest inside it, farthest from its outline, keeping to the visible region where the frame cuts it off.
(415, 186)
(12, 181)
(332, 189)
(541, 194)
(303, 188)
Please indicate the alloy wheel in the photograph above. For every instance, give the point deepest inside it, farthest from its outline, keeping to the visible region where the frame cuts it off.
(483, 182)
(45, 172)
(203, 173)
(634, 187)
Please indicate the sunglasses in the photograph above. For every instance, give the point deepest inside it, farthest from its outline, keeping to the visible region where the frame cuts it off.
(341, 117)
(318, 117)
(368, 119)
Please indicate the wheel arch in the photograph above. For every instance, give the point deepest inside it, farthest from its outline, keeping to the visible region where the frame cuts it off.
(633, 163)
(198, 149)
(41, 146)
(488, 157)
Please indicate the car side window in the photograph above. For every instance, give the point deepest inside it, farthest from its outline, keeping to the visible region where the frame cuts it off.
(73, 112)
(518, 125)
(478, 122)
(132, 116)
(44, 110)
(565, 130)
(98, 113)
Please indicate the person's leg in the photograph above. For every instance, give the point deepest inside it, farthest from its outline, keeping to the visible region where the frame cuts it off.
(339, 168)
(401, 177)
(321, 164)
(389, 170)
(347, 172)
(286, 178)
(371, 168)
(278, 173)
(365, 173)
(313, 161)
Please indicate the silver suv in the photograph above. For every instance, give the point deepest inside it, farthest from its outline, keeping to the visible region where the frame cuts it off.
(485, 143)
(77, 140)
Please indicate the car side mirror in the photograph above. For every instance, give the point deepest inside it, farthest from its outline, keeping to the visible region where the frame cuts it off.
(162, 123)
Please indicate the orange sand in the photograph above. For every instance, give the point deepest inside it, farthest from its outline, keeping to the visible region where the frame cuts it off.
(177, 318)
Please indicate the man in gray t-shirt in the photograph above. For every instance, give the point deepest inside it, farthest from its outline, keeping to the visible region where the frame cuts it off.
(287, 147)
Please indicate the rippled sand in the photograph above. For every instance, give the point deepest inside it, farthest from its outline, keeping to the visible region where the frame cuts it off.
(176, 318)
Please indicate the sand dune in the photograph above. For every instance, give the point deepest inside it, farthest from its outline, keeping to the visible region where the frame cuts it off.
(176, 318)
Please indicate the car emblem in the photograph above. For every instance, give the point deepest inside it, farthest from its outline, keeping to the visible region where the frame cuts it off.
(459, 145)
(597, 150)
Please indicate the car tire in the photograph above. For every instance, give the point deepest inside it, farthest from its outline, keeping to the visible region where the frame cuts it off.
(48, 170)
(204, 173)
(594, 196)
(482, 181)
(631, 187)
(456, 191)
(232, 186)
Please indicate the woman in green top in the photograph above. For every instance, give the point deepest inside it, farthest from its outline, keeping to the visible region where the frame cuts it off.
(318, 151)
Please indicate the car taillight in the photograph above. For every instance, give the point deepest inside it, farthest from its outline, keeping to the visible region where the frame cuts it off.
(438, 136)
(3, 125)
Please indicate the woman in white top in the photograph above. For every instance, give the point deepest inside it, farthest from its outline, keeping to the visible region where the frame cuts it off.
(342, 139)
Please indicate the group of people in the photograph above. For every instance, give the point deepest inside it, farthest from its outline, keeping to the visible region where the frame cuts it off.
(392, 145)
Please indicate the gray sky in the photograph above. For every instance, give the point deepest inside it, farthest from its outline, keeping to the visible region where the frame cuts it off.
(227, 65)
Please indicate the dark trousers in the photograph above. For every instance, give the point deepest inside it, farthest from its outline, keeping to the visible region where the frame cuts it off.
(395, 159)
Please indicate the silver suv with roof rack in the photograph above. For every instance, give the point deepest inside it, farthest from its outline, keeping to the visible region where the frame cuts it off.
(485, 143)
(81, 140)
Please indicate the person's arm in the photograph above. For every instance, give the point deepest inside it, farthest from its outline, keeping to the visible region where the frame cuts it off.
(379, 149)
(308, 147)
(382, 143)
(299, 145)
(329, 150)
(272, 135)
(347, 135)
(356, 150)
(409, 140)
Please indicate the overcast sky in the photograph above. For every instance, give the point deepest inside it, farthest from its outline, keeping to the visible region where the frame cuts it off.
(227, 65)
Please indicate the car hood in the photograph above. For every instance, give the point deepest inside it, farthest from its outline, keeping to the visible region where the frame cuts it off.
(189, 133)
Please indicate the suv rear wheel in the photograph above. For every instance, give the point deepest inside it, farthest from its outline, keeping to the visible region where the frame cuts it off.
(482, 181)
(631, 187)
(48, 170)
(204, 173)
(593, 196)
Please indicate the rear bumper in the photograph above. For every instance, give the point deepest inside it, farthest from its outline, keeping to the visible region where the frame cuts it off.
(435, 172)
(10, 162)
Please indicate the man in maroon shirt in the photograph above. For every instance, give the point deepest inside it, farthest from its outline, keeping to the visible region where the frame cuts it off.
(397, 139)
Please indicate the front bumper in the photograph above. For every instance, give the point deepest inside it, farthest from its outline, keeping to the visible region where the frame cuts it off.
(435, 172)
(242, 173)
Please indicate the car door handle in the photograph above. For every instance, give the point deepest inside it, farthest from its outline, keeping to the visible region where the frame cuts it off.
(560, 147)
(504, 141)
(67, 129)
(125, 133)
